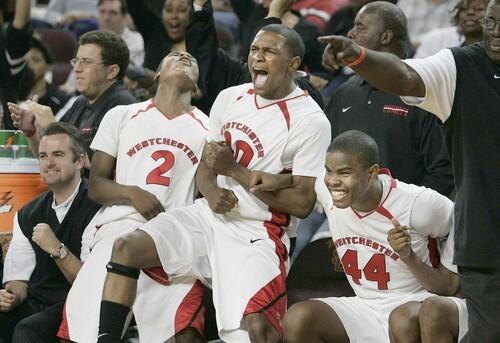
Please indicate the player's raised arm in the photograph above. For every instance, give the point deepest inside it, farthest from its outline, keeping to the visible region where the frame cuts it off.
(380, 69)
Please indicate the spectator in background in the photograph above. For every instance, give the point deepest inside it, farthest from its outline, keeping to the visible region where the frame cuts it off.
(112, 17)
(99, 65)
(15, 43)
(78, 16)
(34, 82)
(425, 15)
(467, 29)
(161, 35)
(51, 237)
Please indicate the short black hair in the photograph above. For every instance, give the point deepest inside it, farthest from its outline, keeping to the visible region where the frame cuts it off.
(356, 143)
(114, 50)
(123, 5)
(40, 46)
(77, 146)
(392, 18)
(293, 40)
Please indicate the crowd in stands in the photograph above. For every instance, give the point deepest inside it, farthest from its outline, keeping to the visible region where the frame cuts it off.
(196, 151)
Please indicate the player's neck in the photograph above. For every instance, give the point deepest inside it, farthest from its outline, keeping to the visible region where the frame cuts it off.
(373, 197)
(171, 102)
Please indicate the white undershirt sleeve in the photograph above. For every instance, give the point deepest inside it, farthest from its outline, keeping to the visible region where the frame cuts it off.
(439, 74)
(20, 260)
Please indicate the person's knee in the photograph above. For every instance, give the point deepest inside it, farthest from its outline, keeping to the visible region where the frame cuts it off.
(433, 314)
(403, 325)
(260, 329)
(126, 250)
(298, 320)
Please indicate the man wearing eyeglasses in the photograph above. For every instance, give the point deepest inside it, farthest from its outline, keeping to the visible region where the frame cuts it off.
(461, 86)
(100, 65)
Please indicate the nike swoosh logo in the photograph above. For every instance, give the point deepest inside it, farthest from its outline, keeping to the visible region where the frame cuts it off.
(255, 240)
(102, 335)
(496, 76)
(345, 109)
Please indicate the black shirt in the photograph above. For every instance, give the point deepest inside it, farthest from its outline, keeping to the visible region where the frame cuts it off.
(474, 127)
(87, 117)
(410, 140)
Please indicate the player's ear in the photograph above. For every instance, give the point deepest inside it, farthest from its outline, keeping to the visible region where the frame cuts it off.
(386, 37)
(295, 63)
(373, 172)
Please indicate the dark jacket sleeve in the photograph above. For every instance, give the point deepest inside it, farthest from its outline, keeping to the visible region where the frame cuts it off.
(218, 70)
(12, 66)
(144, 18)
(439, 175)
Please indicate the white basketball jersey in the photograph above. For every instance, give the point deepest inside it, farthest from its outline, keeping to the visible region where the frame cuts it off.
(290, 134)
(157, 154)
(373, 269)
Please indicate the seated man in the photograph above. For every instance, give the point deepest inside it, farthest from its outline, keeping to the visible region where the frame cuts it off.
(145, 160)
(363, 204)
(100, 65)
(51, 237)
(441, 318)
(234, 239)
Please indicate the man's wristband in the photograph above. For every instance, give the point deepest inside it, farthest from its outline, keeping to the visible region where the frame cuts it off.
(360, 59)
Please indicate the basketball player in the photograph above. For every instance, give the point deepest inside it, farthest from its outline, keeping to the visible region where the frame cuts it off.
(155, 147)
(363, 203)
(233, 238)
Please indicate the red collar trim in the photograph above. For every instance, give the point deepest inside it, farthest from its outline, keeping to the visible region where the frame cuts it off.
(380, 209)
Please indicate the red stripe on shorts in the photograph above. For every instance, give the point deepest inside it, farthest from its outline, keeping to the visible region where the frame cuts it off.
(271, 300)
(191, 312)
(63, 332)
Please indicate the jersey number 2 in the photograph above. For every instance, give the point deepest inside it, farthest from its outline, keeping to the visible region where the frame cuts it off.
(374, 269)
(155, 176)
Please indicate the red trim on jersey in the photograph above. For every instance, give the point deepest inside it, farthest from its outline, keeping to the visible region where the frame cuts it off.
(191, 113)
(157, 274)
(284, 109)
(191, 312)
(380, 209)
(434, 256)
(250, 91)
(271, 300)
(63, 332)
(276, 102)
(150, 106)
